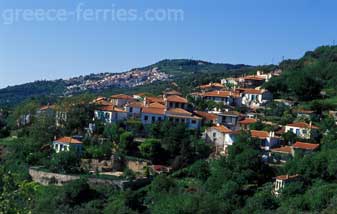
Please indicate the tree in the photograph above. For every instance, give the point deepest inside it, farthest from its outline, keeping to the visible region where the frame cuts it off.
(126, 144)
(65, 162)
(151, 149)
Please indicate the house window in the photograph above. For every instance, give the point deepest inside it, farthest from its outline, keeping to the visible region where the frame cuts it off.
(177, 120)
(177, 105)
(131, 109)
(153, 119)
(214, 134)
(304, 131)
(146, 117)
(297, 132)
(194, 121)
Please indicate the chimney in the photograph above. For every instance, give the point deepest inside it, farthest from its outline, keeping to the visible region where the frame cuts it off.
(310, 124)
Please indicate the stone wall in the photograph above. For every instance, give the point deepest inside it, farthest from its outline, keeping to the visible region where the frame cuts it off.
(48, 178)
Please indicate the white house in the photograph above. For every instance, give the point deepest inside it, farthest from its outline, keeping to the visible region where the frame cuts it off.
(221, 137)
(254, 98)
(282, 181)
(151, 115)
(120, 100)
(302, 129)
(110, 114)
(134, 109)
(179, 115)
(67, 143)
(269, 140)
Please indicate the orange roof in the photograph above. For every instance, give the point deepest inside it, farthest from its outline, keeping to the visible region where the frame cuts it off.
(254, 77)
(150, 110)
(121, 96)
(110, 108)
(286, 177)
(250, 91)
(176, 99)
(211, 85)
(156, 105)
(302, 125)
(154, 100)
(305, 146)
(283, 149)
(136, 104)
(219, 94)
(68, 140)
(304, 111)
(259, 134)
(179, 111)
(47, 107)
(206, 115)
(248, 121)
(222, 129)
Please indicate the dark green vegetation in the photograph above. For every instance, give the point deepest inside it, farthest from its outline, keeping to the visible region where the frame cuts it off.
(238, 183)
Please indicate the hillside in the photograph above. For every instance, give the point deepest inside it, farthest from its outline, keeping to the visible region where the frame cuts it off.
(186, 73)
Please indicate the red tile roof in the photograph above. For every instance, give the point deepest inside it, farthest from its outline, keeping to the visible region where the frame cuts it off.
(305, 146)
(259, 134)
(136, 104)
(248, 121)
(68, 140)
(302, 125)
(154, 100)
(250, 91)
(176, 99)
(172, 92)
(283, 149)
(211, 85)
(47, 107)
(254, 77)
(121, 96)
(156, 105)
(110, 108)
(220, 94)
(150, 110)
(222, 129)
(206, 115)
(179, 111)
(286, 177)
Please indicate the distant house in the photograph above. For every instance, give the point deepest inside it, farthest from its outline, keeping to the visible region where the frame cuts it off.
(61, 117)
(221, 137)
(172, 92)
(244, 124)
(281, 154)
(151, 115)
(254, 98)
(67, 144)
(48, 110)
(179, 115)
(110, 114)
(211, 87)
(120, 100)
(304, 113)
(282, 181)
(134, 109)
(208, 118)
(175, 101)
(305, 148)
(224, 97)
(230, 119)
(302, 129)
(269, 140)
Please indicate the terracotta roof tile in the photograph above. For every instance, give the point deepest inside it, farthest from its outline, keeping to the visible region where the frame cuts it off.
(287, 177)
(150, 110)
(248, 121)
(259, 134)
(283, 149)
(176, 99)
(206, 115)
(68, 140)
(111, 108)
(222, 129)
(156, 105)
(305, 146)
(121, 96)
(302, 125)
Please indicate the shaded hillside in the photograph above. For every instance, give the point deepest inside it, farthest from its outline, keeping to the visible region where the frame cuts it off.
(305, 78)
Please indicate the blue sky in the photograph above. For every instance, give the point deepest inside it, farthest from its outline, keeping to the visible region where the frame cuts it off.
(233, 31)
